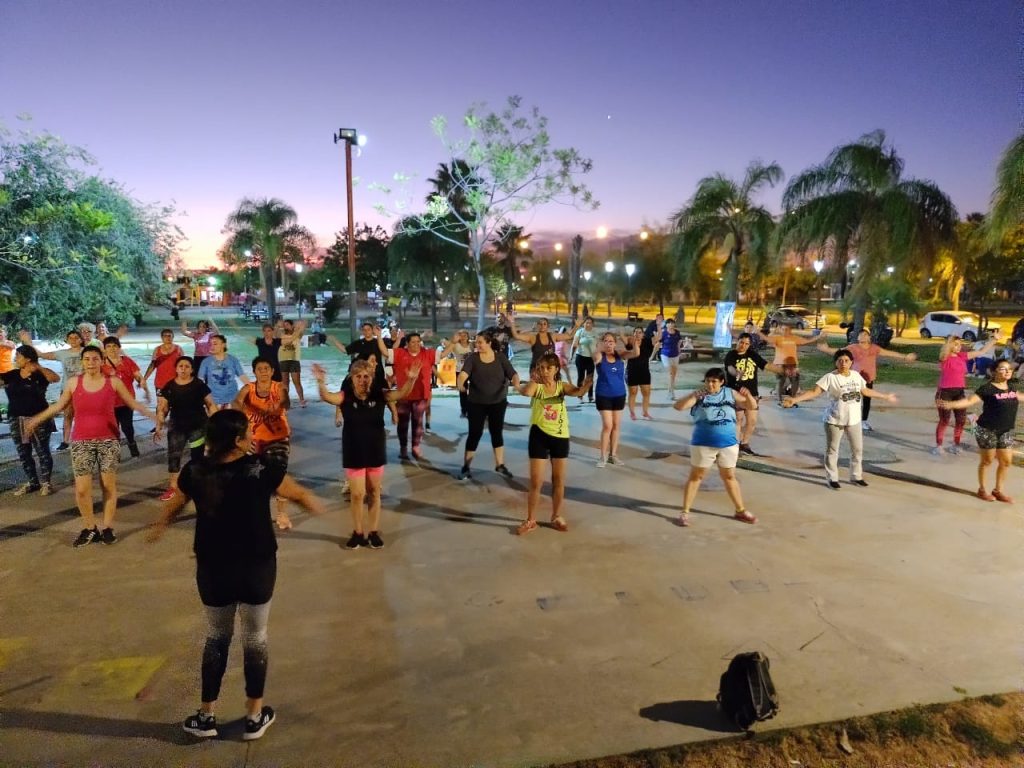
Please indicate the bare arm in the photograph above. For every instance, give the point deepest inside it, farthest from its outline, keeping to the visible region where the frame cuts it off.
(239, 402)
(334, 398)
(881, 395)
(962, 403)
(337, 344)
(57, 407)
(690, 400)
(51, 376)
(810, 394)
(985, 351)
(170, 510)
(410, 382)
(909, 357)
(130, 401)
(574, 391)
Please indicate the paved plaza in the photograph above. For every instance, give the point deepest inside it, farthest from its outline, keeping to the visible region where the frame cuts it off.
(462, 644)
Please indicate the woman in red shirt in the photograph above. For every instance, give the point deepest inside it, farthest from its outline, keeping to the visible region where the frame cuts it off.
(411, 407)
(165, 359)
(128, 372)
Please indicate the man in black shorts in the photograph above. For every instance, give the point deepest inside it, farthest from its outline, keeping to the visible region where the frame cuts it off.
(741, 367)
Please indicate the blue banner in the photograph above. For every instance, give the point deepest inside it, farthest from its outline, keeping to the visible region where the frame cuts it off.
(725, 312)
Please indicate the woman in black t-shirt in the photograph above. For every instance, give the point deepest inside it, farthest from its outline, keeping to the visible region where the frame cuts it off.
(268, 345)
(994, 428)
(236, 558)
(362, 400)
(638, 371)
(26, 395)
(189, 402)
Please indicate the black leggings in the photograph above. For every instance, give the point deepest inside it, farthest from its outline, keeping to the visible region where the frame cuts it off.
(584, 366)
(494, 415)
(463, 402)
(125, 422)
(865, 403)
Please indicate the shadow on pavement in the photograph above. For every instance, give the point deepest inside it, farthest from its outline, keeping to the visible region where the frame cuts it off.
(692, 712)
(90, 725)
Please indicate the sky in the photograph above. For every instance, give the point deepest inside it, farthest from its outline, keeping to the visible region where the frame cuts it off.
(200, 104)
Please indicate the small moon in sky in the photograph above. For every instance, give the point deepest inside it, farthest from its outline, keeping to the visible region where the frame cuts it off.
(609, 117)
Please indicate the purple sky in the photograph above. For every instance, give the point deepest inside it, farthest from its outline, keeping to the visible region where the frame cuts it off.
(203, 103)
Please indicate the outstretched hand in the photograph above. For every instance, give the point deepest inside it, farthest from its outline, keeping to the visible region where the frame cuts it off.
(319, 373)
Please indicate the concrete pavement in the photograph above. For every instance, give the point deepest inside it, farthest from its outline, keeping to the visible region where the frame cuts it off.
(460, 643)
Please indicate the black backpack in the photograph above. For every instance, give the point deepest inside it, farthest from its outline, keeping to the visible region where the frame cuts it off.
(746, 693)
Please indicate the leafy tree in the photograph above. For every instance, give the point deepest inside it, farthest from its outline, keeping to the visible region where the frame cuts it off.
(504, 166)
(655, 270)
(1008, 196)
(723, 214)
(955, 257)
(512, 246)
(991, 270)
(269, 229)
(371, 256)
(417, 258)
(859, 198)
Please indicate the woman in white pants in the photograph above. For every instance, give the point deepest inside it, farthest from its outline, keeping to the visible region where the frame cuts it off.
(845, 388)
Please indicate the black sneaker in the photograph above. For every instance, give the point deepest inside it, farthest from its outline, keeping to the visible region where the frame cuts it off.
(465, 474)
(107, 536)
(256, 728)
(745, 448)
(860, 482)
(201, 724)
(374, 540)
(833, 485)
(62, 447)
(133, 449)
(87, 536)
(502, 470)
(356, 541)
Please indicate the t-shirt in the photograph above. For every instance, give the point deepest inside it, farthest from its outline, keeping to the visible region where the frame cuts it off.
(548, 412)
(291, 350)
(363, 437)
(26, 395)
(6, 359)
(502, 338)
(404, 360)
(186, 401)
(266, 427)
(367, 349)
(202, 342)
(747, 365)
(233, 520)
(221, 376)
(165, 363)
(785, 350)
(953, 371)
(125, 371)
(642, 362)
(714, 417)
(585, 341)
(670, 343)
(844, 394)
(999, 406)
(611, 377)
(865, 361)
(488, 382)
(268, 351)
(70, 362)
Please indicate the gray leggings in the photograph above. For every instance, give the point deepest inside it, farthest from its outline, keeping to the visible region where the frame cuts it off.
(221, 625)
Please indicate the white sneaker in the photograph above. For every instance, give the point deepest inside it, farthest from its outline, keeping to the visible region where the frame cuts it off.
(866, 427)
(24, 489)
(601, 463)
(46, 489)
(616, 461)
(938, 451)
(346, 489)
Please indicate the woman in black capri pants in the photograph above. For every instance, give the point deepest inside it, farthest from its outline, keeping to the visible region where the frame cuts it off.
(485, 377)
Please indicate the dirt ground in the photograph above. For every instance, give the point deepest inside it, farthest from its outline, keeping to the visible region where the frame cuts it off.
(986, 732)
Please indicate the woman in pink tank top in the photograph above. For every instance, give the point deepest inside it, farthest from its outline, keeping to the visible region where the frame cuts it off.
(94, 439)
(952, 381)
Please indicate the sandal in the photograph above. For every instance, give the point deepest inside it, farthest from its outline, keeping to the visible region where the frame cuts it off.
(683, 520)
(1000, 496)
(745, 517)
(526, 527)
(559, 524)
(985, 495)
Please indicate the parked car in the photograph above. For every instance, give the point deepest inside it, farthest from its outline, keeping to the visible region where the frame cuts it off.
(796, 316)
(966, 325)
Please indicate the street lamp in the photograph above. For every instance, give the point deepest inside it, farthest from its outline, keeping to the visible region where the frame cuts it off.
(630, 269)
(818, 266)
(587, 274)
(609, 267)
(557, 274)
(350, 136)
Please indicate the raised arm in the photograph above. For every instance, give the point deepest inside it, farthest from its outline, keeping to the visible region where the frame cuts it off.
(985, 351)
(337, 344)
(690, 400)
(334, 398)
(26, 338)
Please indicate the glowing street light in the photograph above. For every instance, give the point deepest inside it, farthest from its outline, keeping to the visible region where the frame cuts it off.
(602, 232)
(609, 267)
(557, 274)
(818, 266)
(630, 269)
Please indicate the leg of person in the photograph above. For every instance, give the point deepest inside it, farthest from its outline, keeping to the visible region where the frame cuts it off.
(41, 444)
(108, 485)
(419, 408)
(127, 426)
(533, 498)
(749, 424)
(985, 458)
(633, 389)
(476, 415)
(496, 428)
(855, 435)
(795, 381)
(558, 467)
(581, 370)
(404, 417)
(69, 415)
(606, 432)
(645, 392)
(1004, 460)
(255, 659)
(356, 505)
(28, 463)
(613, 437)
(278, 453)
(176, 442)
(940, 428)
(865, 408)
(727, 458)
(833, 435)
(692, 486)
(220, 621)
(426, 417)
(84, 463)
(374, 480)
(673, 369)
(296, 377)
(959, 422)
(463, 404)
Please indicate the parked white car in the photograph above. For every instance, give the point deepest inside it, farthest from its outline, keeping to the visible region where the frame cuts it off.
(966, 325)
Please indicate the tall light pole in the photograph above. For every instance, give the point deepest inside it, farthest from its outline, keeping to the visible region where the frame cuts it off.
(587, 274)
(557, 274)
(350, 136)
(609, 267)
(818, 266)
(630, 269)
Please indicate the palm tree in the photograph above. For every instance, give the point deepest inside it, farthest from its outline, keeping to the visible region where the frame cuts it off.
(421, 258)
(722, 214)
(513, 245)
(269, 229)
(859, 197)
(1008, 197)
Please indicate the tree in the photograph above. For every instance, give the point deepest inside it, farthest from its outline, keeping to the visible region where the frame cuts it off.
(269, 229)
(859, 197)
(418, 258)
(1008, 196)
(504, 166)
(655, 272)
(513, 247)
(371, 253)
(723, 214)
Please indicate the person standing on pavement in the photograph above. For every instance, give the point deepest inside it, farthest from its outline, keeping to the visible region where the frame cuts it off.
(268, 347)
(952, 387)
(26, 396)
(541, 342)
(670, 341)
(122, 366)
(787, 357)
(485, 378)
(94, 440)
(205, 329)
(845, 388)
(362, 399)
(188, 403)
(610, 395)
(165, 360)
(865, 362)
(584, 343)
(236, 560)
(994, 428)
(741, 367)
(289, 354)
(70, 360)
(714, 441)
(638, 371)
(221, 372)
(413, 406)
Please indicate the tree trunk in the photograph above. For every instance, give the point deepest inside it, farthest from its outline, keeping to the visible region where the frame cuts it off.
(956, 290)
(731, 276)
(575, 267)
(270, 287)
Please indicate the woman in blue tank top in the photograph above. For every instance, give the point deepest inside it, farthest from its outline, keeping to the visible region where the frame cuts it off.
(714, 439)
(610, 367)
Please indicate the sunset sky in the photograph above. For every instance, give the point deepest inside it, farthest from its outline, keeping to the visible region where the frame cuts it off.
(203, 103)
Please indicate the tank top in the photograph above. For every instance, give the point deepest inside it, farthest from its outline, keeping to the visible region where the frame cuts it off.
(611, 377)
(538, 349)
(548, 412)
(266, 429)
(714, 419)
(94, 412)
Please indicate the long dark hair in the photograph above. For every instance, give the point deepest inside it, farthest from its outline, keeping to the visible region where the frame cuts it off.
(223, 430)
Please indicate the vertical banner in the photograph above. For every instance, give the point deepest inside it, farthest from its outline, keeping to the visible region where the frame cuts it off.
(725, 312)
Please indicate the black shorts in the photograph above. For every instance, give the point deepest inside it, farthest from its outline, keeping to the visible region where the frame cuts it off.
(639, 377)
(225, 582)
(750, 386)
(610, 403)
(291, 366)
(950, 394)
(544, 446)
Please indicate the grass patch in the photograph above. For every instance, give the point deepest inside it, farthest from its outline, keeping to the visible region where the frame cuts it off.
(981, 739)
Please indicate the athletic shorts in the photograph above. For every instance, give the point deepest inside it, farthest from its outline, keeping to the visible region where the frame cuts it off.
(226, 582)
(666, 360)
(703, 456)
(291, 366)
(950, 394)
(989, 440)
(89, 455)
(276, 452)
(363, 472)
(544, 446)
(610, 403)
